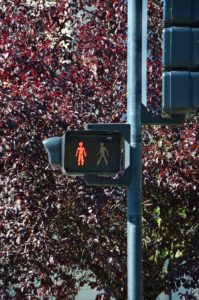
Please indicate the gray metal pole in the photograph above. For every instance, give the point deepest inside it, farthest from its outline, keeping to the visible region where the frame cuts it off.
(170, 295)
(134, 248)
(144, 51)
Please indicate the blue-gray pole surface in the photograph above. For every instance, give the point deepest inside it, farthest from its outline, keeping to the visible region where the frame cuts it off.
(134, 248)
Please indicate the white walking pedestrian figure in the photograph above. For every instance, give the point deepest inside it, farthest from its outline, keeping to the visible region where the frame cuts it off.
(103, 154)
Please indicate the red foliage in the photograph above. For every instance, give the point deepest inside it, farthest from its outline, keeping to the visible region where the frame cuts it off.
(53, 79)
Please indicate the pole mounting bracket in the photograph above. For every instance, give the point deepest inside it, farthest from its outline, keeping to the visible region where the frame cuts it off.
(148, 119)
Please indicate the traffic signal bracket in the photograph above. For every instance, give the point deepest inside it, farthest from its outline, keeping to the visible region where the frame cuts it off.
(148, 119)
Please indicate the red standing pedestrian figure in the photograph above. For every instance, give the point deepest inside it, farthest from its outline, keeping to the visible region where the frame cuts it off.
(80, 154)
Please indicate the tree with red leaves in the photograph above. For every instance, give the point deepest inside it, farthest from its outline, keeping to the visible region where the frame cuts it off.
(63, 65)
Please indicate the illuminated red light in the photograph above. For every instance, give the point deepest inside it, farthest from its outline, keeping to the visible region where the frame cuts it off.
(80, 154)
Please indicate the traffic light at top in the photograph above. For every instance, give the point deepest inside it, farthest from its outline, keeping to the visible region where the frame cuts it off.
(180, 57)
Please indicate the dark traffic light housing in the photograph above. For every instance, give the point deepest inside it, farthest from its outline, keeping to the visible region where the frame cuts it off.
(180, 57)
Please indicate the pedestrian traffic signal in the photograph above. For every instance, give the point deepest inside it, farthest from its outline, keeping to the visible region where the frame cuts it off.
(86, 152)
(92, 152)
